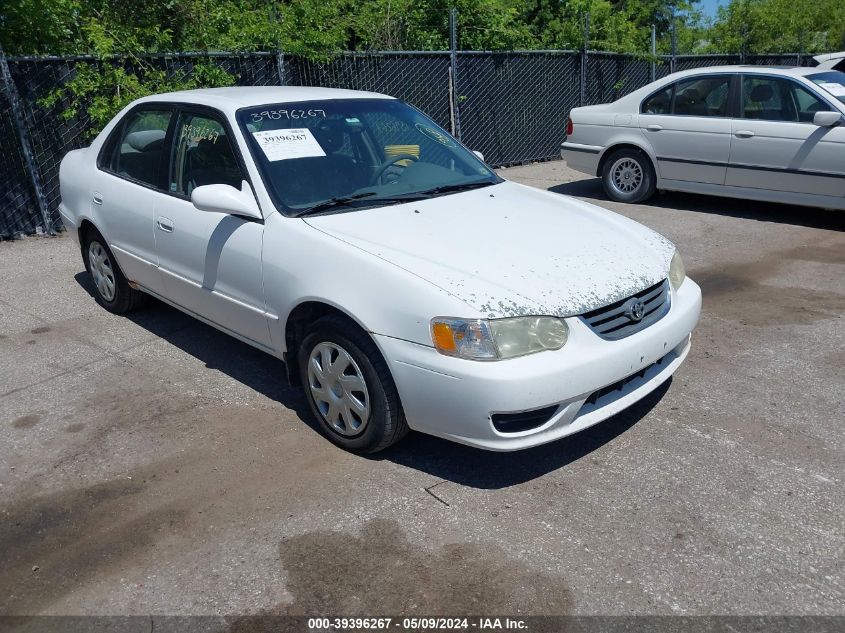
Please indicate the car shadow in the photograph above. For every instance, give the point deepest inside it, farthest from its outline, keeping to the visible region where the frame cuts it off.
(257, 370)
(441, 458)
(478, 468)
(732, 207)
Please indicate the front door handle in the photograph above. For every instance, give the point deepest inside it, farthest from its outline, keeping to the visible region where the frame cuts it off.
(654, 127)
(743, 133)
(165, 224)
(97, 197)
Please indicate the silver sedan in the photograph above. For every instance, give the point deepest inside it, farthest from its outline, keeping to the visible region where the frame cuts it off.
(762, 133)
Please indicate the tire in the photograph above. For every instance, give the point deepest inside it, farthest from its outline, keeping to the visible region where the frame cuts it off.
(339, 345)
(111, 290)
(628, 176)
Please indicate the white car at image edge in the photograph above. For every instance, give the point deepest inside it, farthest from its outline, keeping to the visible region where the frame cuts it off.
(761, 133)
(404, 284)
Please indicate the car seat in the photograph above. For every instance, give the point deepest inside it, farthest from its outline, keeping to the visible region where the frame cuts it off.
(211, 162)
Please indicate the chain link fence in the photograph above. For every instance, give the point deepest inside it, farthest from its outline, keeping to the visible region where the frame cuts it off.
(511, 106)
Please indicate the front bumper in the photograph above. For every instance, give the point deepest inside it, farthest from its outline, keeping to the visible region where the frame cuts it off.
(456, 398)
(583, 158)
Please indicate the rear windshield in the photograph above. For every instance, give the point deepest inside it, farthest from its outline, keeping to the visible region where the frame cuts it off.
(832, 82)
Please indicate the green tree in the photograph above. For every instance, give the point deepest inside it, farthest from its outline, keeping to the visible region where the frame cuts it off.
(778, 26)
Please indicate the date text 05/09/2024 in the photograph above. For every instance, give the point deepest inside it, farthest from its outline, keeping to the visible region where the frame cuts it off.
(318, 625)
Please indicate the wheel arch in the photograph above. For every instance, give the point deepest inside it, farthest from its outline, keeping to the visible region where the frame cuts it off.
(615, 147)
(86, 225)
(296, 325)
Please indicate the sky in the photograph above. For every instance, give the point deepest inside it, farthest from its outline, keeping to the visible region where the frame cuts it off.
(709, 7)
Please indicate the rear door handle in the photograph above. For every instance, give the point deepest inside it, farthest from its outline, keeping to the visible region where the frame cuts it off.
(97, 197)
(743, 133)
(165, 224)
(654, 127)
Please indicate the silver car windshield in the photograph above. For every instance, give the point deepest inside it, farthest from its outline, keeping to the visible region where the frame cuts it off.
(832, 81)
(340, 155)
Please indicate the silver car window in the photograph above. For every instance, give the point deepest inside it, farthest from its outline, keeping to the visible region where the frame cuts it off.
(778, 99)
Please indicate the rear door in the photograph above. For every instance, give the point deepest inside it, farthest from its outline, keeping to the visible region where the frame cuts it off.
(688, 126)
(127, 187)
(775, 144)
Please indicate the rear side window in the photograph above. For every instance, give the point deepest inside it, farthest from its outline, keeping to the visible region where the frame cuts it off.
(138, 153)
(202, 155)
(697, 96)
(660, 103)
(702, 96)
(775, 99)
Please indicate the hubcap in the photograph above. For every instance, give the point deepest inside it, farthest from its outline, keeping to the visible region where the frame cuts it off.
(338, 388)
(626, 175)
(101, 270)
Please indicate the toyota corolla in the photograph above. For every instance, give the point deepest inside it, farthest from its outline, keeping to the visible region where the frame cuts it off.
(403, 283)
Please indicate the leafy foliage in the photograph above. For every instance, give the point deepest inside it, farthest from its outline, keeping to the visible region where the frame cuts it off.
(317, 29)
(768, 26)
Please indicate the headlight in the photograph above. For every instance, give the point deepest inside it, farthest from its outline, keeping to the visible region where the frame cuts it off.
(496, 339)
(677, 274)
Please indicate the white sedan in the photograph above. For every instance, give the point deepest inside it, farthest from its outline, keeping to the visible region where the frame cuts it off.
(401, 280)
(761, 133)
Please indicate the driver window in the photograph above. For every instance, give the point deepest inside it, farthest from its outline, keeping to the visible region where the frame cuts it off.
(202, 155)
(776, 99)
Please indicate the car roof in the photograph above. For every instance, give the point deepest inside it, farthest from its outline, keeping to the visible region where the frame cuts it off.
(233, 98)
(791, 71)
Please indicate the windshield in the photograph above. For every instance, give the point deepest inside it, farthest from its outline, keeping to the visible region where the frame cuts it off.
(354, 153)
(832, 81)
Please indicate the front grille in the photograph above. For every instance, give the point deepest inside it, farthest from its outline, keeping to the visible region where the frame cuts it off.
(619, 385)
(524, 420)
(613, 321)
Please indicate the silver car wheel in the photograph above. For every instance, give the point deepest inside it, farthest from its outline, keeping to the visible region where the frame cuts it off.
(102, 270)
(626, 176)
(338, 387)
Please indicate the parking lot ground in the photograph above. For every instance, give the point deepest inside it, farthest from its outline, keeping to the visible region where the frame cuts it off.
(151, 465)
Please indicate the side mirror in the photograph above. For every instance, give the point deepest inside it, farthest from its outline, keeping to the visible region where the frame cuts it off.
(226, 199)
(827, 119)
(478, 155)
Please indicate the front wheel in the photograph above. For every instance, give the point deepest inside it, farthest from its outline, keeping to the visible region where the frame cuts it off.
(349, 387)
(628, 176)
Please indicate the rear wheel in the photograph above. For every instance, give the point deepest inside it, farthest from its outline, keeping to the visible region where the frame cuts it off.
(111, 289)
(627, 176)
(349, 387)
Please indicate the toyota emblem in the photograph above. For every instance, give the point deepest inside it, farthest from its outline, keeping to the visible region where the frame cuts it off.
(635, 310)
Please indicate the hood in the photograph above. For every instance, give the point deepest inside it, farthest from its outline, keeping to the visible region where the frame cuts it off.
(511, 250)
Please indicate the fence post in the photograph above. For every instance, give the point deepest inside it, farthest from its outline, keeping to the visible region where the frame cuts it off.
(280, 68)
(674, 62)
(653, 52)
(26, 147)
(454, 95)
(584, 63)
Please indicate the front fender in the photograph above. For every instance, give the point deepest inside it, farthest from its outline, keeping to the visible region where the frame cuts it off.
(302, 264)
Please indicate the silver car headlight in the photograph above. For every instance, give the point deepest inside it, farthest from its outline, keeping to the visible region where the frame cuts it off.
(497, 339)
(677, 274)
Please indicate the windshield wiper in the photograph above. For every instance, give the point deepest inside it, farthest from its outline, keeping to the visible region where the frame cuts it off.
(337, 201)
(465, 186)
(340, 201)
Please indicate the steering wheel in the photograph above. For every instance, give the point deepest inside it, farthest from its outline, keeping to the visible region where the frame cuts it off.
(390, 162)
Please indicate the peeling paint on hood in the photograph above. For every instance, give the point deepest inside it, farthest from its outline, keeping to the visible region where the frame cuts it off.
(511, 250)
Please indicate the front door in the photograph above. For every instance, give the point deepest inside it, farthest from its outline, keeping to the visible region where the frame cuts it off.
(210, 262)
(775, 145)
